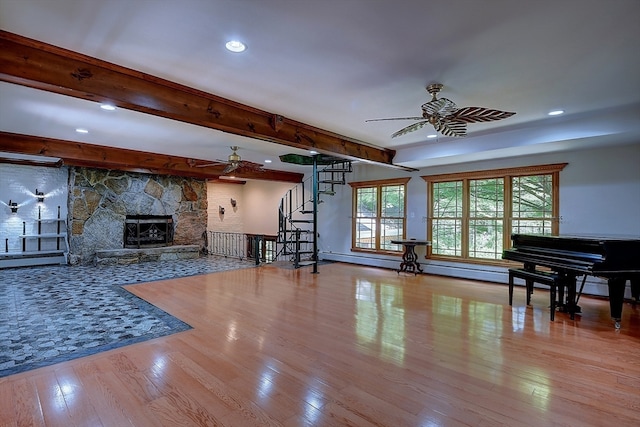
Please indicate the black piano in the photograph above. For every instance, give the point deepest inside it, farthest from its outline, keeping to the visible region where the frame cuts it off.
(616, 259)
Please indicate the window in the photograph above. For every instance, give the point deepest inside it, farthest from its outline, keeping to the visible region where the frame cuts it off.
(473, 214)
(378, 214)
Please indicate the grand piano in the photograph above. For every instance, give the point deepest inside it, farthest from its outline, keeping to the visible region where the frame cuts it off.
(615, 259)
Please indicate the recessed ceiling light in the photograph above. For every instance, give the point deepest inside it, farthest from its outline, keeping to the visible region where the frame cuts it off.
(235, 46)
(313, 152)
(267, 161)
(433, 135)
(555, 112)
(81, 130)
(107, 107)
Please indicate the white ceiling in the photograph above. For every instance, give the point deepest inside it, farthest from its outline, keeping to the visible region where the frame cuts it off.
(336, 63)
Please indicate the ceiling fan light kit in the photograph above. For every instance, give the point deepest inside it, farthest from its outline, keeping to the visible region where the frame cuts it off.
(446, 118)
(234, 160)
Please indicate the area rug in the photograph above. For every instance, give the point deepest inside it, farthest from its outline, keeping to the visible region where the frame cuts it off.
(52, 314)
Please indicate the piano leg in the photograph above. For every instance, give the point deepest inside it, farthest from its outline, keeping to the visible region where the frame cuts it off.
(635, 290)
(568, 305)
(616, 298)
(571, 296)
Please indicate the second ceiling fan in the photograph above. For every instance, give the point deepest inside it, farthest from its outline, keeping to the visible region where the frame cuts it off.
(446, 117)
(235, 162)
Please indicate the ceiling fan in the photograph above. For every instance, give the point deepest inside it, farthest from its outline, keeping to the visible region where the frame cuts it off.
(235, 162)
(446, 117)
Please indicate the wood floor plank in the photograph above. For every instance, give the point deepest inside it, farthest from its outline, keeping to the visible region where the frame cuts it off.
(28, 410)
(107, 405)
(134, 399)
(352, 345)
(187, 395)
(53, 404)
(80, 408)
(7, 405)
(243, 410)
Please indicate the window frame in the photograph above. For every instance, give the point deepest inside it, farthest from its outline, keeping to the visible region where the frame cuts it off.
(377, 184)
(507, 174)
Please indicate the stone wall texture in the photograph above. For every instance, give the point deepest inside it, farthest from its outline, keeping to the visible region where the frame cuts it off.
(100, 200)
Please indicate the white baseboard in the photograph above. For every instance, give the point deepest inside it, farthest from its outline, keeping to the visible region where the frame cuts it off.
(593, 285)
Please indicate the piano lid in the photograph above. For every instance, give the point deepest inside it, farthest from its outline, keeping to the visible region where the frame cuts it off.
(584, 237)
(606, 254)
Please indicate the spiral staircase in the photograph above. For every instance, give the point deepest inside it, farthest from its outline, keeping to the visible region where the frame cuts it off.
(297, 240)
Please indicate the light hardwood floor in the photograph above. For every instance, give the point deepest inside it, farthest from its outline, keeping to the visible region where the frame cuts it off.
(349, 346)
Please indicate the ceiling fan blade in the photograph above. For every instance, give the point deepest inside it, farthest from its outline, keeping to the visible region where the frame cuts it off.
(214, 163)
(451, 128)
(479, 114)
(396, 118)
(446, 117)
(231, 167)
(442, 107)
(410, 128)
(245, 164)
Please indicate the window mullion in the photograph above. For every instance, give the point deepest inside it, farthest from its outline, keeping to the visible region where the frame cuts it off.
(508, 213)
(466, 200)
(378, 216)
(555, 200)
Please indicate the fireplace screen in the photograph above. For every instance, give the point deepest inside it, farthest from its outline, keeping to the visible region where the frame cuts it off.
(148, 231)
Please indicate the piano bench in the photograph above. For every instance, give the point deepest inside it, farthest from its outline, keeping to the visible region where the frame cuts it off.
(532, 276)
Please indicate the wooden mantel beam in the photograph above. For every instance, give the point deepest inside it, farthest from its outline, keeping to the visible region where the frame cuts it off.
(43, 66)
(101, 157)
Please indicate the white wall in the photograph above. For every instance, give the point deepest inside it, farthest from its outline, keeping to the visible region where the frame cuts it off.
(19, 183)
(220, 194)
(599, 194)
(261, 205)
(256, 210)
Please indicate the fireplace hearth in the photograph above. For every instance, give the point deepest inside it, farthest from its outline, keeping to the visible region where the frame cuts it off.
(148, 231)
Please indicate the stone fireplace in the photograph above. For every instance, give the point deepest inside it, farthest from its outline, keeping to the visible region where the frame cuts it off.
(148, 231)
(104, 203)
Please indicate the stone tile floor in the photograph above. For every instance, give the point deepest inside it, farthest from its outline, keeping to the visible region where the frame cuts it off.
(50, 314)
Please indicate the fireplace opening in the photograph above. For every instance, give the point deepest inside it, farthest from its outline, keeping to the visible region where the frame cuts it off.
(148, 231)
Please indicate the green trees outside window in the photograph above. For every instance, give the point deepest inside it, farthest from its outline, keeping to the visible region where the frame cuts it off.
(379, 214)
(472, 215)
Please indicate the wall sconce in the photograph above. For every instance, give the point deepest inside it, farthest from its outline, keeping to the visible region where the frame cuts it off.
(233, 203)
(221, 210)
(40, 196)
(13, 206)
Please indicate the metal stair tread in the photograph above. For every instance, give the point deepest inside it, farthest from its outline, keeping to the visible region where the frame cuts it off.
(344, 170)
(293, 252)
(324, 181)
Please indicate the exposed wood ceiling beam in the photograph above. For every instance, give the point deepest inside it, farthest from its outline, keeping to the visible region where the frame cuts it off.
(101, 157)
(42, 66)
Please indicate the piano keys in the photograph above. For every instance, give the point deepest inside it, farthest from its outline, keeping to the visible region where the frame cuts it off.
(616, 259)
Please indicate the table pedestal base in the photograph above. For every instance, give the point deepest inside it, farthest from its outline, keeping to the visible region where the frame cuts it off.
(410, 262)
